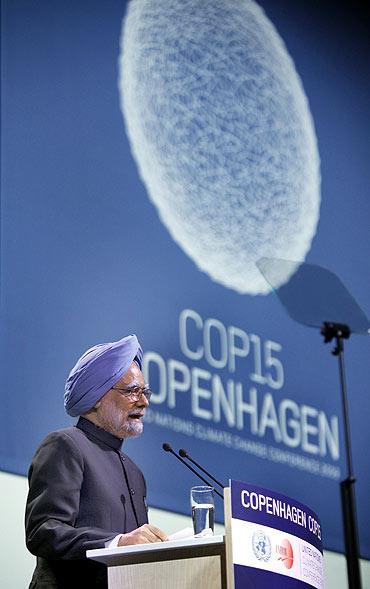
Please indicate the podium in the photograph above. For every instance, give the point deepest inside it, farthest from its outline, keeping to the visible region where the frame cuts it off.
(271, 540)
(184, 564)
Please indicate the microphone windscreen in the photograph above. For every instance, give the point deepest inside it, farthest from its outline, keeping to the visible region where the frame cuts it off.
(166, 447)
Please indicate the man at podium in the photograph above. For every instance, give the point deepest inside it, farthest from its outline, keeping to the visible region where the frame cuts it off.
(84, 492)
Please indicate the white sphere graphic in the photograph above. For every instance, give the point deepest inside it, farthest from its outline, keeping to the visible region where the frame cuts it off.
(221, 131)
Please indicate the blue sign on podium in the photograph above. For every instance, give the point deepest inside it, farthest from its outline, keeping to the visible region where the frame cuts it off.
(274, 541)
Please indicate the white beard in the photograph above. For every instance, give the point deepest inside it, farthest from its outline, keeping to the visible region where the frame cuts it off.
(117, 422)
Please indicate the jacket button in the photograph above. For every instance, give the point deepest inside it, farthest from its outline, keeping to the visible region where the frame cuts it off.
(132, 491)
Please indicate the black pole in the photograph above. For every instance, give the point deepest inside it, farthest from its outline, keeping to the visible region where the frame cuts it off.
(347, 489)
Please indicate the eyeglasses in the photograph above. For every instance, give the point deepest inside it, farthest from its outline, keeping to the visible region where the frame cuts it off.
(134, 393)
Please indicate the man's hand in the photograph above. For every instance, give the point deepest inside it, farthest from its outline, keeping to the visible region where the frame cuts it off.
(143, 535)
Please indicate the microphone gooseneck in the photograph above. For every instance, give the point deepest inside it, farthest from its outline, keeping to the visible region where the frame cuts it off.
(168, 448)
(184, 454)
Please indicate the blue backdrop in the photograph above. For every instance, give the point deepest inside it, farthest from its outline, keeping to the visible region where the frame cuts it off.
(86, 258)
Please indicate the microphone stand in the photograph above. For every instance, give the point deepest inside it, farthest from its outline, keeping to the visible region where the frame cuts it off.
(168, 448)
(184, 454)
(340, 332)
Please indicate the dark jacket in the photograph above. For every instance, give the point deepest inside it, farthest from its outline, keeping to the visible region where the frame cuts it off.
(83, 491)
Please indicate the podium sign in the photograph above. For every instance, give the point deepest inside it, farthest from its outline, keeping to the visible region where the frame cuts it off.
(273, 540)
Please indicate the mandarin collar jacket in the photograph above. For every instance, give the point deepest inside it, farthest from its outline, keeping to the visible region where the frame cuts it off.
(83, 491)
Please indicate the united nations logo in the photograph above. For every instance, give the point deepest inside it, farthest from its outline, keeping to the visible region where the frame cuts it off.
(261, 546)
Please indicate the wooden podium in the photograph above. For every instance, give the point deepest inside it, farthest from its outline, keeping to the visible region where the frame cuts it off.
(271, 540)
(184, 564)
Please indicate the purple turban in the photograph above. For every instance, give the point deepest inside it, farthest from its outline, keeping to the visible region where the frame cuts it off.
(97, 371)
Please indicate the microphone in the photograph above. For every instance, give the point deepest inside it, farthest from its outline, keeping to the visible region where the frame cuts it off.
(168, 448)
(184, 454)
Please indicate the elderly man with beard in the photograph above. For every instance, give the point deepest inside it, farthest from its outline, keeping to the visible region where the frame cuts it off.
(84, 492)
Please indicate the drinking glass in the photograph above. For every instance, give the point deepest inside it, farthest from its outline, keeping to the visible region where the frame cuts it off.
(202, 510)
